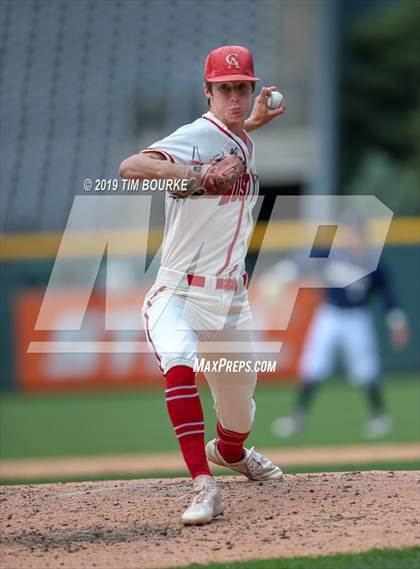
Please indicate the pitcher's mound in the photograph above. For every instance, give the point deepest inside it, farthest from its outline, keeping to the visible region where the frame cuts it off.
(135, 524)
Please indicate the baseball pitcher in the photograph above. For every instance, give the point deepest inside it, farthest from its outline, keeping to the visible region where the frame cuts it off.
(200, 294)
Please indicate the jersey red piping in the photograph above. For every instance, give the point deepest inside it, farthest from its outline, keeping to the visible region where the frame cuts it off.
(227, 134)
(235, 237)
(230, 248)
(146, 317)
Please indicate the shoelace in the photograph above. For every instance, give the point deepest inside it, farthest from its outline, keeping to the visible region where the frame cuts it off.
(255, 456)
(204, 490)
(186, 494)
(203, 494)
(254, 460)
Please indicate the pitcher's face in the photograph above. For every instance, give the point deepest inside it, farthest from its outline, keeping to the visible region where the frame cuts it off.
(230, 101)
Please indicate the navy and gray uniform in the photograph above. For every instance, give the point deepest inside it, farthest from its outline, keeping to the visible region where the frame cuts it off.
(344, 323)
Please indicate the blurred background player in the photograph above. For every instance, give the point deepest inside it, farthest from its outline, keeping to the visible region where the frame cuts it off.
(343, 324)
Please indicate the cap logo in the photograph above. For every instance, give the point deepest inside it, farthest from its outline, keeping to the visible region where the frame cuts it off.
(232, 61)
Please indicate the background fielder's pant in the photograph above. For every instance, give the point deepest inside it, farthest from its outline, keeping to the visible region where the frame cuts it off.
(179, 323)
(349, 331)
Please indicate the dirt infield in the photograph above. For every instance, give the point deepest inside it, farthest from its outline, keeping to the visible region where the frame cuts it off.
(66, 467)
(135, 524)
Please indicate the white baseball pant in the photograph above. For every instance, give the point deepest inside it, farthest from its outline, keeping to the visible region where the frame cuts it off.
(350, 331)
(183, 321)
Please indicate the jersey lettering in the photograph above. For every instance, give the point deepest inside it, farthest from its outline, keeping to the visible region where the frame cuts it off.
(240, 190)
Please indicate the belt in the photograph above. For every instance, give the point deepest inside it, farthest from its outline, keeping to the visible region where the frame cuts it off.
(226, 283)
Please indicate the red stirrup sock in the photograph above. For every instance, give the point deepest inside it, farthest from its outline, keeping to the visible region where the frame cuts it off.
(186, 413)
(230, 444)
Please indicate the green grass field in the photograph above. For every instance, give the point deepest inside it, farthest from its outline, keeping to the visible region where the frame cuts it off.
(133, 422)
(136, 421)
(375, 559)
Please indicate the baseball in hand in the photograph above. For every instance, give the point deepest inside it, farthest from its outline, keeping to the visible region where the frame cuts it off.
(274, 100)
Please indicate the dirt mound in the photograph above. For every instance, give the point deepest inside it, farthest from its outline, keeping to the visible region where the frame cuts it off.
(135, 524)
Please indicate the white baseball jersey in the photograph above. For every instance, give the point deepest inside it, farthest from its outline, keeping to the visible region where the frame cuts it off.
(211, 232)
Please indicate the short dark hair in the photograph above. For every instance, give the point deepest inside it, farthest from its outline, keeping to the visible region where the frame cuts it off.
(210, 87)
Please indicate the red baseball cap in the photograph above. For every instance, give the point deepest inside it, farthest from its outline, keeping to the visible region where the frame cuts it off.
(229, 63)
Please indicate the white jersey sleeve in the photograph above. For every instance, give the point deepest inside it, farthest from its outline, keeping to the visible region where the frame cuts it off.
(197, 140)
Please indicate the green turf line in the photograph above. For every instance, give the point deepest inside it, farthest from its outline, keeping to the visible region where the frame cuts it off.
(386, 466)
(87, 424)
(375, 559)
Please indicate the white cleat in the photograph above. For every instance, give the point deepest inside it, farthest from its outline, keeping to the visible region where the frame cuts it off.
(378, 426)
(254, 465)
(285, 427)
(206, 504)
